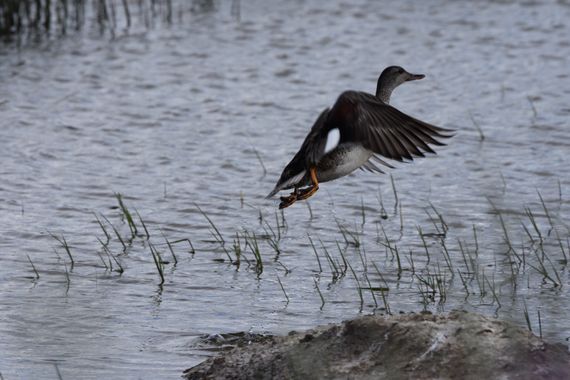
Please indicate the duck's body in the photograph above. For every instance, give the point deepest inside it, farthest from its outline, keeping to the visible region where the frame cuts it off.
(358, 129)
(343, 160)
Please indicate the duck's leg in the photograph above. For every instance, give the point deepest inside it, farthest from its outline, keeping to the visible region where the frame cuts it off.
(288, 201)
(307, 193)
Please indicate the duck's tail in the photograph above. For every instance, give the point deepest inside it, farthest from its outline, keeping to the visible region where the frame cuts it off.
(286, 183)
(273, 192)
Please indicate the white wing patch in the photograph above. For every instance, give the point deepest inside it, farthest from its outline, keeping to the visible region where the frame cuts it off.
(333, 139)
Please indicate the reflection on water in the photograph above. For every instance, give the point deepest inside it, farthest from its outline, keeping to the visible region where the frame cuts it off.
(176, 118)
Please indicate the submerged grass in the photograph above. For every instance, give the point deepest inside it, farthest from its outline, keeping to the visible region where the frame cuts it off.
(216, 233)
(147, 234)
(432, 285)
(158, 262)
(33, 267)
(370, 288)
(382, 289)
(466, 254)
(316, 254)
(358, 287)
(350, 237)
(546, 212)
(102, 227)
(237, 251)
(111, 257)
(493, 288)
(283, 289)
(395, 192)
(65, 246)
(420, 232)
(174, 258)
(336, 270)
(526, 316)
(117, 234)
(252, 243)
(273, 239)
(185, 240)
(67, 278)
(320, 294)
(127, 215)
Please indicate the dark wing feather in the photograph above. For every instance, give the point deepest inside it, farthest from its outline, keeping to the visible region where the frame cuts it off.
(363, 118)
(311, 151)
(313, 148)
(371, 167)
(383, 129)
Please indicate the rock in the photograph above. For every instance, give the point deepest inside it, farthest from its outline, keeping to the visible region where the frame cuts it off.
(460, 345)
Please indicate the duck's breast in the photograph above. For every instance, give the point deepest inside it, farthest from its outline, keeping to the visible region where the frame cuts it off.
(343, 160)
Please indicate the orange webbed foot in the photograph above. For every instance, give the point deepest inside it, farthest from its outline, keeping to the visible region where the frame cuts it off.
(288, 201)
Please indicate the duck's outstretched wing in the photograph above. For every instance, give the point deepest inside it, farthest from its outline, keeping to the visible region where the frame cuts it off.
(381, 128)
(364, 119)
(314, 143)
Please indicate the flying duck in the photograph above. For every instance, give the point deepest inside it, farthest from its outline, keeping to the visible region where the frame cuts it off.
(355, 133)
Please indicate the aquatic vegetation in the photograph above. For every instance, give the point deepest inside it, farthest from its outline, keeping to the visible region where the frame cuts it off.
(282, 288)
(102, 227)
(127, 215)
(171, 250)
(462, 259)
(320, 294)
(433, 259)
(33, 267)
(64, 244)
(158, 262)
(40, 18)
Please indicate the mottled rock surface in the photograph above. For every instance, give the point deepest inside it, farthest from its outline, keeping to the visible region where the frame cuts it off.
(459, 345)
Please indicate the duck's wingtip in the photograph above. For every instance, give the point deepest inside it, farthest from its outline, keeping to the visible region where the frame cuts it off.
(447, 133)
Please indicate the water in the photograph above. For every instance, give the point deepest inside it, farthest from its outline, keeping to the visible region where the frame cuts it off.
(172, 118)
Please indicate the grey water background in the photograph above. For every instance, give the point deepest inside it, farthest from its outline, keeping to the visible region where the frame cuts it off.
(175, 117)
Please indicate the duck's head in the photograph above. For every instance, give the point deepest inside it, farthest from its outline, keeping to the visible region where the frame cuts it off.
(392, 77)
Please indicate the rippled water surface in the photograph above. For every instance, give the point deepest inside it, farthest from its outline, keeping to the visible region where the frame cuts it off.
(183, 117)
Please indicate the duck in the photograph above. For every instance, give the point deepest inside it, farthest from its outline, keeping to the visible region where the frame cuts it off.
(360, 131)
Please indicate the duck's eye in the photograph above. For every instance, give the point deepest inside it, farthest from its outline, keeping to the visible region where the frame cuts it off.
(400, 71)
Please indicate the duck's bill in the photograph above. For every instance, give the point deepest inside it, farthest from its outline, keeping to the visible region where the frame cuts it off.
(416, 77)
